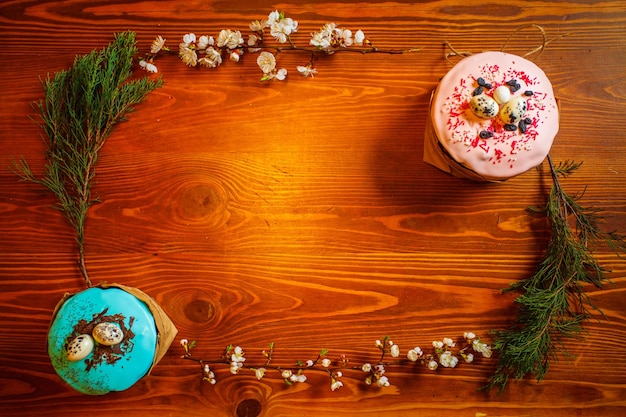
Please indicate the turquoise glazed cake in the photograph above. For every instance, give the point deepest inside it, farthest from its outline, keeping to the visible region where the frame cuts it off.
(102, 340)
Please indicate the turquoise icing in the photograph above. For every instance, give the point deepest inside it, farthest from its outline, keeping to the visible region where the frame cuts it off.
(103, 377)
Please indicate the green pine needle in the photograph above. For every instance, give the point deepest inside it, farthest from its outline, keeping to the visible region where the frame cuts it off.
(81, 106)
(553, 305)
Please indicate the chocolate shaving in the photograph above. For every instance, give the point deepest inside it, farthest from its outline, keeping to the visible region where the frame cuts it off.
(102, 353)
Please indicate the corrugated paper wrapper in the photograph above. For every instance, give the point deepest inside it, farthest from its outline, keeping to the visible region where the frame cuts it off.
(166, 331)
(436, 155)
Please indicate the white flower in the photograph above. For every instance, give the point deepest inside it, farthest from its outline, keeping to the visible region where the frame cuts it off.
(437, 344)
(330, 36)
(189, 39)
(281, 28)
(320, 42)
(448, 342)
(235, 367)
(257, 25)
(286, 374)
(259, 373)
(157, 44)
(306, 71)
(236, 360)
(323, 39)
(229, 38)
(383, 381)
(326, 362)
(208, 375)
(469, 358)
(237, 355)
(235, 55)
(378, 344)
(252, 42)
(486, 351)
(300, 378)
(414, 354)
(212, 59)
(448, 360)
(469, 335)
(394, 351)
(432, 364)
(267, 62)
(281, 74)
(309, 363)
(367, 367)
(188, 55)
(205, 41)
(343, 36)
(184, 342)
(359, 37)
(335, 385)
(272, 18)
(483, 348)
(205, 62)
(148, 66)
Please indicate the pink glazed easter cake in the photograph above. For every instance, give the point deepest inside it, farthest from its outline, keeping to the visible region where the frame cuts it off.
(493, 116)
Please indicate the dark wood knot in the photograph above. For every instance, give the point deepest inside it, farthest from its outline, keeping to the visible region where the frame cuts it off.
(249, 408)
(199, 311)
(203, 202)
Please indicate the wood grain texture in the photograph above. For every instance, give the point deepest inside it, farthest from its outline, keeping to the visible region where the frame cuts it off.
(302, 213)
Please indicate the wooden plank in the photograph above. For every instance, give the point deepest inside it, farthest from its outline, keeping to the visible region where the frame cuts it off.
(301, 213)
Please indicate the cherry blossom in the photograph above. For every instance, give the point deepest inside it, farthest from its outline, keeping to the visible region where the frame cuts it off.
(157, 45)
(210, 52)
(148, 66)
(376, 372)
(306, 71)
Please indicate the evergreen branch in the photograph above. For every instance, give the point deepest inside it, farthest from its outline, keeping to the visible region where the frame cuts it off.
(553, 304)
(81, 105)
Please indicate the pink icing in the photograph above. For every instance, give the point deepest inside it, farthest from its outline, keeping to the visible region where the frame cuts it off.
(506, 153)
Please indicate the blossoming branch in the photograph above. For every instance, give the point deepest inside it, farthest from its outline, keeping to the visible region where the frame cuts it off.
(211, 52)
(373, 373)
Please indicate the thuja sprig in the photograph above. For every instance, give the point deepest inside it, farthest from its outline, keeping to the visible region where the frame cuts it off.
(553, 304)
(80, 108)
(210, 52)
(373, 373)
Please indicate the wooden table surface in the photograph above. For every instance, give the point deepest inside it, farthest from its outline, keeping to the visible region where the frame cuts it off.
(301, 212)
